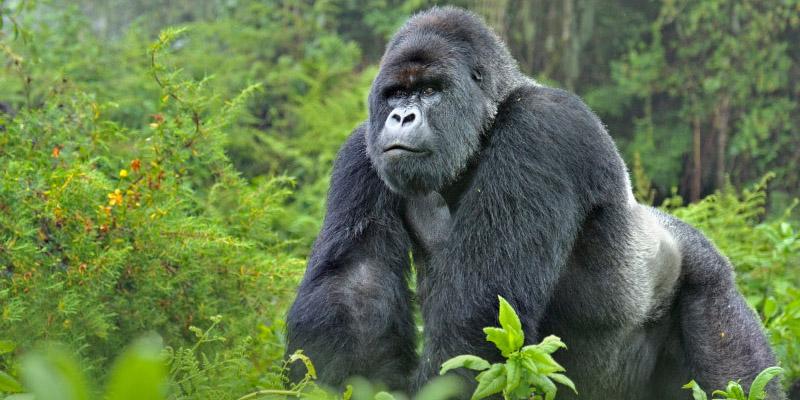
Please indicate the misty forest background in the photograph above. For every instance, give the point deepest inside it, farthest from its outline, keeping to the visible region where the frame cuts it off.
(173, 181)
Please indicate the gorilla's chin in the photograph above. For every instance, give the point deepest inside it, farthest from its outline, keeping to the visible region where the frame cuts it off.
(409, 175)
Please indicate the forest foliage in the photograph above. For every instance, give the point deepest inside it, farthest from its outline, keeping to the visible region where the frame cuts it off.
(163, 168)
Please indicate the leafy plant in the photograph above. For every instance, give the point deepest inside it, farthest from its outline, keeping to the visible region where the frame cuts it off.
(110, 230)
(528, 371)
(357, 388)
(52, 373)
(734, 390)
(8, 383)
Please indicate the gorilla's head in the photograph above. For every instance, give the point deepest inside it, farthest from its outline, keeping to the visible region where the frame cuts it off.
(441, 80)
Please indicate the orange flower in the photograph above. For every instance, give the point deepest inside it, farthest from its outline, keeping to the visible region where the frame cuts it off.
(56, 152)
(158, 119)
(115, 198)
(135, 165)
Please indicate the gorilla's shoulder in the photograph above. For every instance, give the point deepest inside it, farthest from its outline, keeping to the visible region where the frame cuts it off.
(355, 185)
(352, 157)
(550, 129)
(555, 115)
(533, 99)
(354, 148)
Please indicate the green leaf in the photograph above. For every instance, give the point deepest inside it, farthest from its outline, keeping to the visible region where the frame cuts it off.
(739, 394)
(544, 362)
(53, 374)
(464, 361)
(500, 338)
(514, 371)
(732, 391)
(383, 396)
(544, 385)
(722, 393)
(8, 384)
(550, 344)
(521, 392)
(7, 346)
(770, 307)
(758, 388)
(491, 381)
(139, 373)
(697, 392)
(348, 392)
(21, 396)
(311, 372)
(562, 379)
(510, 322)
(529, 365)
(442, 388)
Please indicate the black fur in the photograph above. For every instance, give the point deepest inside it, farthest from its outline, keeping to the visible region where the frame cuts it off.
(517, 191)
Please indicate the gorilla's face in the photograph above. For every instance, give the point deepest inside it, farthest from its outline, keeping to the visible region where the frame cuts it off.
(427, 115)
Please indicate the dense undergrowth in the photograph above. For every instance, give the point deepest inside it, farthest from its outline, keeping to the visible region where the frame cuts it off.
(140, 195)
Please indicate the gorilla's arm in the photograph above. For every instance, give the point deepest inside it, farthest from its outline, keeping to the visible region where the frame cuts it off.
(352, 315)
(722, 336)
(547, 162)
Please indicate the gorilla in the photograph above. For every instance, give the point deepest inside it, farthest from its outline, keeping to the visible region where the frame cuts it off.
(496, 185)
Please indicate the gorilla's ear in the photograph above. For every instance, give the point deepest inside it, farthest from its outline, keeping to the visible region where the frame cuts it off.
(476, 74)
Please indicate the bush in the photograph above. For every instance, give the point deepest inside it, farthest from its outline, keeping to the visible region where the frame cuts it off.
(107, 231)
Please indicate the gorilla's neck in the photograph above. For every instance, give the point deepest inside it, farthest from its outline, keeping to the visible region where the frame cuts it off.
(454, 191)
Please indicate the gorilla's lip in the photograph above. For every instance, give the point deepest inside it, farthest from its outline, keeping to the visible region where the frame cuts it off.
(399, 148)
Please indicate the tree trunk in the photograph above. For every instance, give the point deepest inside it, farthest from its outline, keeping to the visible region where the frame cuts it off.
(722, 116)
(697, 158)
(569, 41)
(494, 11)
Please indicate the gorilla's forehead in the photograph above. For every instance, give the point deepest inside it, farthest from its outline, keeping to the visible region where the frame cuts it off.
(445, 32)
(409, 75)
(422, 46)
(451, 24)
(422, 53)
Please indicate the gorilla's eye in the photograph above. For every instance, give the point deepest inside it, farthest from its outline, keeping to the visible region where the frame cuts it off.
(476, 75)
(428, 91)
(398, 94)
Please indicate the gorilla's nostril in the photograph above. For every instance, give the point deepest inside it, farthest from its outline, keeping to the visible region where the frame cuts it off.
(395, 117)
(409, 118)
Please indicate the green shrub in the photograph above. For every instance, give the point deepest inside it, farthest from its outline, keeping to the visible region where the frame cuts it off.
(108, 231)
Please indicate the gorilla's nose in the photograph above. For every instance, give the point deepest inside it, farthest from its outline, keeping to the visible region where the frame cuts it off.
(403, 120)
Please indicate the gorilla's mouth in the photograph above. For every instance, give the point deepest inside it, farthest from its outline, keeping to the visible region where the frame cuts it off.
(398, 148)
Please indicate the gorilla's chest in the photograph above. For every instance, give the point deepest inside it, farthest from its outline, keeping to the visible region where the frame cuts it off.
(429, 222)
(621, 255)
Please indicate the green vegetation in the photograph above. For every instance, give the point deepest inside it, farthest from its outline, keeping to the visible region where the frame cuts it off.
(162, 186)
(734, 390)
(528, 372)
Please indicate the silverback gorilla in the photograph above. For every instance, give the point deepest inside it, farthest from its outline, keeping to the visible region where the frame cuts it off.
(500, 186)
